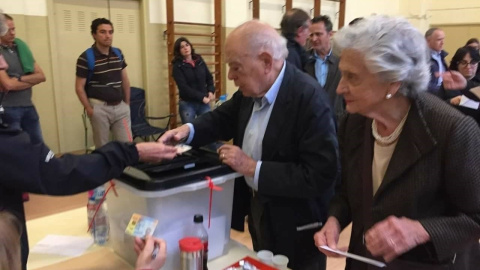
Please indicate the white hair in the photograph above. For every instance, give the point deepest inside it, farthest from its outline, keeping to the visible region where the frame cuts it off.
(261, 37)
(393, 49)
(3, 24)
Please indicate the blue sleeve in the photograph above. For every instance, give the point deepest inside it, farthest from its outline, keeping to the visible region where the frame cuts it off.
(35, 169)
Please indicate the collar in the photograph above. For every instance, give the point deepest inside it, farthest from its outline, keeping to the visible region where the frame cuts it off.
(319, 57)
(97, 52)
(272, 93)
(5, 46)
(435, 53)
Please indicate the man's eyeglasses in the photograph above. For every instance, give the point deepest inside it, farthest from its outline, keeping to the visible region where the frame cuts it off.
(465, 63)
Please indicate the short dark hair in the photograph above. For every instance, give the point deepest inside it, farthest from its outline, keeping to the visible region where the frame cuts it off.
(8, 17)
(326, 21)
(460, 54)
(97, 22)
(355, 21)
(292, 20)
(177, 56)
(430, 31)
(472, 40)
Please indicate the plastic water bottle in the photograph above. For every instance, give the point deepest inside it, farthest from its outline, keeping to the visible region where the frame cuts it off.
(221, 99)
(200, 232)
(100, 227)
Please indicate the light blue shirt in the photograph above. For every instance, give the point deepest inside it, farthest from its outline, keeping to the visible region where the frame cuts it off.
(321, 68)
(255, 130)
(438, 58)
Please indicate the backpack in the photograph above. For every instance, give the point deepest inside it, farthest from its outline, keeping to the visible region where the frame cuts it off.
(91, 61)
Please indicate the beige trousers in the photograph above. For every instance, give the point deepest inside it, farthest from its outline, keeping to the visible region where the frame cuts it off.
(108, 118)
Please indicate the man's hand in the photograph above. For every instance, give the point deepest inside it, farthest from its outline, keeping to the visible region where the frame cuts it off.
(394, 236)
(206, 100)
(453, 80)
(144, 250)
(211, 96)
(234, 157)
(174, 136)
(89, 111)
(155, 151)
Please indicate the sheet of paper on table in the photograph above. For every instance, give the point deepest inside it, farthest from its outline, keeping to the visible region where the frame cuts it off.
(63, 245)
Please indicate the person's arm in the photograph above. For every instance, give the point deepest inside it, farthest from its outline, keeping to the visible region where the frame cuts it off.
(69, 174)
(125, 86)
(34, 78)
(12, 83)
(185, 91)
(82, 95)
(209, 80)
(461, 188)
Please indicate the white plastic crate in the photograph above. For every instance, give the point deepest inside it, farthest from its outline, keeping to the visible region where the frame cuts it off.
(174, 208)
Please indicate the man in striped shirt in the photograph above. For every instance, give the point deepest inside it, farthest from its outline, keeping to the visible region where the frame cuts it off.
(104, 91)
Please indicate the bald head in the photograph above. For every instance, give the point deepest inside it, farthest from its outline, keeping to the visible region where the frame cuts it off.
(256, 37)
(255, 53)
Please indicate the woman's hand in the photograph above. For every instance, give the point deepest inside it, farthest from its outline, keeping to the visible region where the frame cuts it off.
(328, 236)
(144, 250)
(206, 100)
(456, 100)
(394, 236)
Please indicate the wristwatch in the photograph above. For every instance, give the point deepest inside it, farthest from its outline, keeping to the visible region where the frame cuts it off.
(19, 78)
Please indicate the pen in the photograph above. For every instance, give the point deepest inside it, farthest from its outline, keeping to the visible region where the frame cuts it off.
(155, 251)
(309, 226)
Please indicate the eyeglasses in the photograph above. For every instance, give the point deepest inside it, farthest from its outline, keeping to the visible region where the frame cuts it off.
(465, 63)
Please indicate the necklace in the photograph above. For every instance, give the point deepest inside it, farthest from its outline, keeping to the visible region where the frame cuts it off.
(390, 139)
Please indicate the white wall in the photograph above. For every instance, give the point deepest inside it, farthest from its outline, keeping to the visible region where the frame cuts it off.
(365, 8)
(198, 11)
(424, 13)
(25, 7)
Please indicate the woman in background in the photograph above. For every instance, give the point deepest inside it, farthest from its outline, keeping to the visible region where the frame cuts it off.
(474, 43)
(464, 61)
(193, 79)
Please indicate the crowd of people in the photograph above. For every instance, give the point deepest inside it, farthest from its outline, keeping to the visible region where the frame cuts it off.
(350, 130)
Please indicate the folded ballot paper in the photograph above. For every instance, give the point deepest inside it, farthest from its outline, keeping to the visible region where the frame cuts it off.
(468, 103)
(355, 257)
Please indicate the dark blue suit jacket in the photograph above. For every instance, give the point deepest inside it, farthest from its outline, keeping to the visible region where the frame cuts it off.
(27, 167)
(300, 157)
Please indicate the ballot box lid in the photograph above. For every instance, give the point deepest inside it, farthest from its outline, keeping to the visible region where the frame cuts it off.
(190, 167)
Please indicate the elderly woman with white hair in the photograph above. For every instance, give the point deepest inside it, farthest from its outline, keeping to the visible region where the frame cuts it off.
(410, 174)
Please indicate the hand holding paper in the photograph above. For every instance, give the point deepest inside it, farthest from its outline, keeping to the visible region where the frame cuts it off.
(355, 257)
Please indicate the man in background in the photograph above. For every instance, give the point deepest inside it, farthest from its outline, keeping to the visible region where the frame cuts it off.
(22, 74)
(323, 64)
(295, 28)
(103, 86)
(435, 40)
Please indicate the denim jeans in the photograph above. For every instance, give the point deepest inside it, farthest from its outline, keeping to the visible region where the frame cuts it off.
(26, 119)
(189, 110)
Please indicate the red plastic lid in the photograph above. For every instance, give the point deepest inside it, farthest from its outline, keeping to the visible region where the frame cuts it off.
(190, 244)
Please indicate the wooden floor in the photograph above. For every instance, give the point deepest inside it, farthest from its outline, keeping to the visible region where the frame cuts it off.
(40, 206)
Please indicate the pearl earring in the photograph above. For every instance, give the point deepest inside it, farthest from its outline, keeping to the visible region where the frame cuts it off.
(389, 96)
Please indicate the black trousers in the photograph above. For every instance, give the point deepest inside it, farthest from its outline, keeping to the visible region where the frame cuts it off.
(305, 257)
